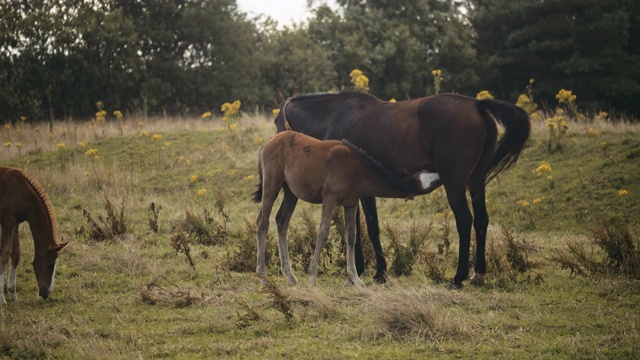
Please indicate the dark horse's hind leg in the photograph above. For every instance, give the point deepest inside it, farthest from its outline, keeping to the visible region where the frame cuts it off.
(480, 224)
(371, 217)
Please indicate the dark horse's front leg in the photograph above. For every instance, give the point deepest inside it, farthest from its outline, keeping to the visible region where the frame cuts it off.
(371, 217)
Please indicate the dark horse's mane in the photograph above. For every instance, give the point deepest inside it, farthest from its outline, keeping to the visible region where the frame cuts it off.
(341, 93)
(397, 179)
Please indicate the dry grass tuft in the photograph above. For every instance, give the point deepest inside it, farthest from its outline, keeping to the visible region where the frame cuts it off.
(610, 251)
(277, 298)
(154, 293)
(404, 313)
(316, 305)
(114, 225)
(404, 256)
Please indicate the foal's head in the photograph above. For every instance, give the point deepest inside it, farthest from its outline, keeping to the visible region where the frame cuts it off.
(44, 265)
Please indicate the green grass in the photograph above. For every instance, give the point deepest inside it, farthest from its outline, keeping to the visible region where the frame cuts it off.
(103, 305)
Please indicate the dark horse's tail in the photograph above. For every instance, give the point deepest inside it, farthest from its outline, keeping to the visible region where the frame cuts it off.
(517, 129)
(257, 195)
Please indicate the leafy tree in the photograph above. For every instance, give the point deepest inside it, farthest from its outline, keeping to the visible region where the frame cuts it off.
(575, 44)
(397, 44)
(291, 60)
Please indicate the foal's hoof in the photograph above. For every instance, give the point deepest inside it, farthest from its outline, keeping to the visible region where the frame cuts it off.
(477, 279)
(357, 283)
(453, 285)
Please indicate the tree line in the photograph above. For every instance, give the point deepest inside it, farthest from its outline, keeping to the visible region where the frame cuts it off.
(58, 58)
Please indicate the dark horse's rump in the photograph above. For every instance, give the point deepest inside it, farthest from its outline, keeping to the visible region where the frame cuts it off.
(451, 135)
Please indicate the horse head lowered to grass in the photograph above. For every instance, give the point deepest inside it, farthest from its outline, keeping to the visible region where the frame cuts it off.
(453, 136)
(332, 172)
(22, 199)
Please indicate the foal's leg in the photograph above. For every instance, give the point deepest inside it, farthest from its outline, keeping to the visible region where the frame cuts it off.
(328, 208)
(7, 229)
(480, 224)
(350, 217)
(371, 217)
(282, 220)
(15, 259)
(456, 195)
(262, 227)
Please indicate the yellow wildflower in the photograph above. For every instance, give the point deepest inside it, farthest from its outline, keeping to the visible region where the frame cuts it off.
(156, 137)
(18, 144)
(91, 152)
(392, 100)
(143, 133)
(275, 112)
(544, 167)
(565, 96)
(7, 144)
(202, 192)
(484, 94)
(623, 192)
(359, 80)
(193, 179)
(61, 146)
(537, 200)
(117, 114)
(232, 126)
(591, 132)
(23, 118)
(206, 115)
(249, 177)
(81, 145)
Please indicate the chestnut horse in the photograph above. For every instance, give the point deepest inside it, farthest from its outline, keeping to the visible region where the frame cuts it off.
(22, 199)
(450, 135)
(334, 173)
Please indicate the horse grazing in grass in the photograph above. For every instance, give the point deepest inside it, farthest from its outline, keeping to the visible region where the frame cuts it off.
(22, 199)
(334, 173)
(450, 135)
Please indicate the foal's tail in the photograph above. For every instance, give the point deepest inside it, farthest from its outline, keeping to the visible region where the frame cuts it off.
(517, 129)
(257, 195)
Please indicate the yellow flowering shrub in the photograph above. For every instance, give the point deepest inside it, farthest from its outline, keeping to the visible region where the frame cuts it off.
(229, 113)
(437, 80)
(483, 95)
(543, 168)
(359, 80)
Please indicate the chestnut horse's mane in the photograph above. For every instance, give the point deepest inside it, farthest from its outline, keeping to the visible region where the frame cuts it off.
(42, 195)
(397, 179)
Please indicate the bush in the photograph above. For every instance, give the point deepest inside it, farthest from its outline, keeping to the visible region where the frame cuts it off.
(610, 251)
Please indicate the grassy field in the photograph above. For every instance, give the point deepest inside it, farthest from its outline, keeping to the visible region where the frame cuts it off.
(177, 281)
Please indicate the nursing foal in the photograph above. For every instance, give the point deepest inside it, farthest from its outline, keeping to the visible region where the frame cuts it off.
(332, 172)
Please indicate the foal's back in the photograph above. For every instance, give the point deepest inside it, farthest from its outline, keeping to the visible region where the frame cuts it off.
(310, 167)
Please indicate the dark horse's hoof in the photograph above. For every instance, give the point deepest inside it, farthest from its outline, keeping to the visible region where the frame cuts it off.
(453, 285)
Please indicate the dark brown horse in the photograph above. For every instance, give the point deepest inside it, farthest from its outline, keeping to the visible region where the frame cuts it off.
(22, 199)
(450, 135)
(334, 173)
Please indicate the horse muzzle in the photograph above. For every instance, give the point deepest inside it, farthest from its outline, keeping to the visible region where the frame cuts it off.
(44, 292)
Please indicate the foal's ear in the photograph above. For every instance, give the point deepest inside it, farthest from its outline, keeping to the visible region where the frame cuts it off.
(296, 92)
(58, 247)
(279, 98)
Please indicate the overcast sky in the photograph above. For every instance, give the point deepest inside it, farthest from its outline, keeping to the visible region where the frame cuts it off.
(286, 12)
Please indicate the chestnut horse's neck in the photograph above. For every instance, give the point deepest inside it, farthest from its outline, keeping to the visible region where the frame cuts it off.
(41, 218)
